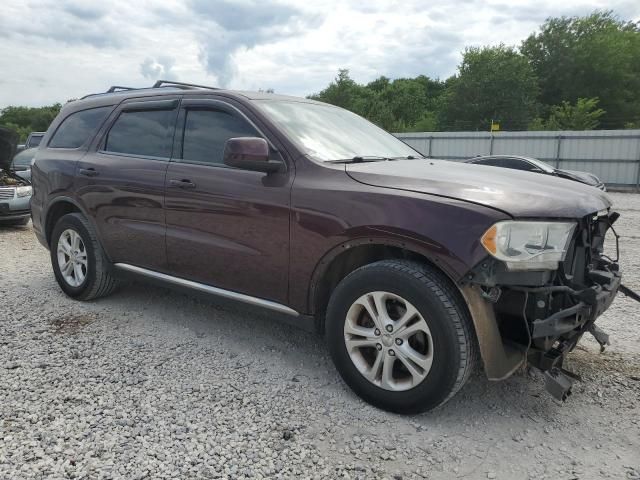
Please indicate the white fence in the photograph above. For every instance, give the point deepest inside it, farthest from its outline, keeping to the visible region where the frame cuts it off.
(612, 155)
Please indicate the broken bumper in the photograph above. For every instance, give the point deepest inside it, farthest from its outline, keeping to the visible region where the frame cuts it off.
(591, 304)
(538, 317)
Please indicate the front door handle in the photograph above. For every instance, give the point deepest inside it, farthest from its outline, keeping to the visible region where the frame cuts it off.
(184, 183)
(88, 172)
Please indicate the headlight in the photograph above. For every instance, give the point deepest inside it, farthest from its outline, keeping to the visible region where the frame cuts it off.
(24, 191)
(524, 245)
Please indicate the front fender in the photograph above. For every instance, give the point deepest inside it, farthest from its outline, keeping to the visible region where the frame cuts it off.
(500, 358)
(423, 249)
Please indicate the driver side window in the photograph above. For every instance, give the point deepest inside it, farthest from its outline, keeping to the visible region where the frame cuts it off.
(206, 131)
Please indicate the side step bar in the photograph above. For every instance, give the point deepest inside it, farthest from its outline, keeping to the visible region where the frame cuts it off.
(240, 297)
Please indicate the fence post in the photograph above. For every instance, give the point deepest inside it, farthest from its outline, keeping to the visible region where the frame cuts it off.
(558, 151)
(638, 167)
(430, 142)
(491, 145)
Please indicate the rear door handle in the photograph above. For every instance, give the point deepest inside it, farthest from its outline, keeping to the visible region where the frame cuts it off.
(88, 172)
(184, 183)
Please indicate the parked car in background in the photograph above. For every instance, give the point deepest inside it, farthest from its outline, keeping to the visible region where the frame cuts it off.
(33, 141)
(408, 265)
(21, 163)
(530, 164)
(15, 192)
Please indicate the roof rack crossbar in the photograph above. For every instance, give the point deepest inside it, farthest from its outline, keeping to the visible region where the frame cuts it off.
(169, 83)
(115, 88)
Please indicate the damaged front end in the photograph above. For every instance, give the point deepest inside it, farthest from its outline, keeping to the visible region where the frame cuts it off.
(537, 315)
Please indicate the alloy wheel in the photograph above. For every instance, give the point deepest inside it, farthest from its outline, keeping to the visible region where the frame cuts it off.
(388, 340)
(72, 258)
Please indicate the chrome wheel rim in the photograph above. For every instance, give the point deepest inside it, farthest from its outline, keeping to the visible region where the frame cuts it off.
(72, 258)
(388, 341)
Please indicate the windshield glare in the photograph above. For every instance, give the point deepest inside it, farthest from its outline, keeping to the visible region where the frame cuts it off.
(330, 133)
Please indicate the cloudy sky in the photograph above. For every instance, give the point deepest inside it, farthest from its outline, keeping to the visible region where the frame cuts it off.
(53, 50)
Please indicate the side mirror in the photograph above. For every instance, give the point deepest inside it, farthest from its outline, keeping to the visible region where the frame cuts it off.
(249, 153)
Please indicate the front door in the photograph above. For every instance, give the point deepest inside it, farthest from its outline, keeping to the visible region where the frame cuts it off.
(226, 227)
(121, 181)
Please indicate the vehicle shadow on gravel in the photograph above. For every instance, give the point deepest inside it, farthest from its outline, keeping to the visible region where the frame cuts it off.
(245, 330)
(6, 228)
(302, 356)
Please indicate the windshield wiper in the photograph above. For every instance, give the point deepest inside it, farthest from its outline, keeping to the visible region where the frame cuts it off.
(360, 159)
(371, 158)
(408, 157)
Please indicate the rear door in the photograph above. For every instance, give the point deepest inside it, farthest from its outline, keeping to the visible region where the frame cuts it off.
(226, 227)
(121, 180)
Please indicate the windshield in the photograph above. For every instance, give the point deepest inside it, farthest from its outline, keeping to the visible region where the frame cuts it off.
(34, 140)
(545, 167)
(330, 133)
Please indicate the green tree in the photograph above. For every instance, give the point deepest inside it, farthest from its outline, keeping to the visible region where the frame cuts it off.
(587, 57)
(398, 105)
(25, 120)
(343, 92)
(584, 115)
(493, 83)
(427, 123)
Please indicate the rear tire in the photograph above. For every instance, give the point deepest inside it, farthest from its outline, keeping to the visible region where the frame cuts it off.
(79, 263)
(421, 327)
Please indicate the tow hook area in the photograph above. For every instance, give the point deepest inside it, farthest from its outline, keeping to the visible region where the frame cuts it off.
(558, 382)
(601, 337)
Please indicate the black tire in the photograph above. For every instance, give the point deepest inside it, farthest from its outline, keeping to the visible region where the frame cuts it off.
(98, 281)
(442, 307)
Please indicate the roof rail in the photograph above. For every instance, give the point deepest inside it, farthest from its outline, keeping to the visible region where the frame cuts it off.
(183, 85)
(158, 84)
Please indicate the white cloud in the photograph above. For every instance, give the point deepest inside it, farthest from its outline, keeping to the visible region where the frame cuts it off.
(67, 48)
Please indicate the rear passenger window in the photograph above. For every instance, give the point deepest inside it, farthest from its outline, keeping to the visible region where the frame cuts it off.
(143, 132)
(206, 131)
(78, 127)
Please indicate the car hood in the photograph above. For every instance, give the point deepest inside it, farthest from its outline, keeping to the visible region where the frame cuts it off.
(583, 177)
(517, 193)
(24, 159)
(8, 146)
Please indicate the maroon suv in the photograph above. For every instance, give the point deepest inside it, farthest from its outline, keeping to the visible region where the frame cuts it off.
(413, 268)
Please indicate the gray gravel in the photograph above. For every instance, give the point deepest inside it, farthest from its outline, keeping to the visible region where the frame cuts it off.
(149, 383)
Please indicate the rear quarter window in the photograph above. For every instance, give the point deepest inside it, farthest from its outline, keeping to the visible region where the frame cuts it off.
(78, 127)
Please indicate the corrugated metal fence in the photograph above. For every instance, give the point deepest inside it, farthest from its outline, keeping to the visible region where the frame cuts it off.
(613, 155)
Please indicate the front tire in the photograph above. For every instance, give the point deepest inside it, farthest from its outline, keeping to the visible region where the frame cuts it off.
(400, 335)
(80, 265)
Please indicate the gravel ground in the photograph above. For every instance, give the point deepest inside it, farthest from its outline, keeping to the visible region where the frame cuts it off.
(150, 383)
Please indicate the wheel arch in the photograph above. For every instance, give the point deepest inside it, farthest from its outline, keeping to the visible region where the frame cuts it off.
(59, 207)
(346, 257)
(500, 360)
